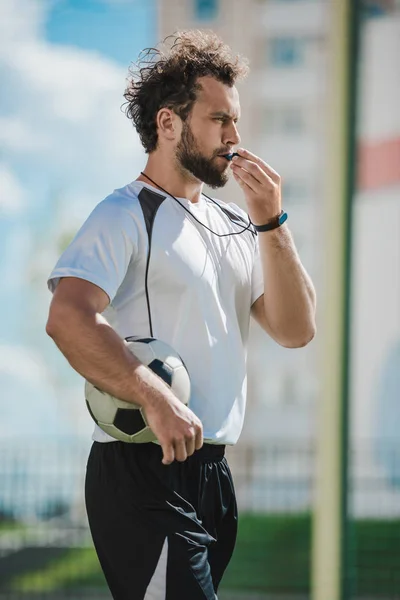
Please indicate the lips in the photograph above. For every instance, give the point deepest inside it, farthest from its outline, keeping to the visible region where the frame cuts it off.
(230, 155)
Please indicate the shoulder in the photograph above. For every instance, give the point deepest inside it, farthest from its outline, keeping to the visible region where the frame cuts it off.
(120, 208)
(119, 201)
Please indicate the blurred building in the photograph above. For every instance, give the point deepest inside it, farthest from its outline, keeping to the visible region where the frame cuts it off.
(282, 121)
(375, 360)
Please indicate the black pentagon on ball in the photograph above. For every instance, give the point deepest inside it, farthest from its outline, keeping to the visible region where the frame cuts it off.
(147, 340)
(91, 412)
(129, 420)
(162, 370)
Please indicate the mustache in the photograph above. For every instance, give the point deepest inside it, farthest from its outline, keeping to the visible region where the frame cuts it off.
(222, 151)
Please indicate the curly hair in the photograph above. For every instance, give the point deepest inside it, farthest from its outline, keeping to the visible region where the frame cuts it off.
(167, 77)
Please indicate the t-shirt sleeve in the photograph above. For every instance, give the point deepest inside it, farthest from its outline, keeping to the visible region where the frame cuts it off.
(102, 249)
(257, 278)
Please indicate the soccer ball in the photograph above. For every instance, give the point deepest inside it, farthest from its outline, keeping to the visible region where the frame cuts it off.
(125, 421)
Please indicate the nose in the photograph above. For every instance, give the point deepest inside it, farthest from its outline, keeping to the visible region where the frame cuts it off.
(232, 136)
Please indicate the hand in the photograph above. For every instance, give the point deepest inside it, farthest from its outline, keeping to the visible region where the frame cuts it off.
(176, 427)
(261, 186)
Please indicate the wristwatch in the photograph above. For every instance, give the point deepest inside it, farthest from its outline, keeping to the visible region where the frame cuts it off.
(273, 223)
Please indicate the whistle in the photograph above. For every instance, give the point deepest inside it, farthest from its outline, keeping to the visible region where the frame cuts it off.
(230, 156)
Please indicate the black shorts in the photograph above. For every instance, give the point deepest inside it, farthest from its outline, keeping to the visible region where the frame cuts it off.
(161, 532)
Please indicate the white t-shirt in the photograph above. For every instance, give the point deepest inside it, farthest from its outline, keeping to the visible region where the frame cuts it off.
(200, 289)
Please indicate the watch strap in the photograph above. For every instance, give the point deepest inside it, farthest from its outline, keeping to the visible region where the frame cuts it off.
(273, 223)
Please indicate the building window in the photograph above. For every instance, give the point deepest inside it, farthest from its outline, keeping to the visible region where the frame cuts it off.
(292, 52)
(288, 1)
(286, 51)
(378, 8)
(206, 10)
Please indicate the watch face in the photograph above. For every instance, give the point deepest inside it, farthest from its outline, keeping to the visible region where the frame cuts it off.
(282, 218)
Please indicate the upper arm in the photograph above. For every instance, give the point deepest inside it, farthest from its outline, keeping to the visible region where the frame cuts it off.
(74, 295)
(258, 314)
(102, 250)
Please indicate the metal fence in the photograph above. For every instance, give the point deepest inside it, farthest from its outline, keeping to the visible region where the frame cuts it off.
(46, 549)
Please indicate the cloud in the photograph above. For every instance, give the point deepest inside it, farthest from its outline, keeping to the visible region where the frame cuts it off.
(61, 115)
(117, 2)
(21, 21)
(17, 136)
(62, 135)
(22, 364)
(12, 195)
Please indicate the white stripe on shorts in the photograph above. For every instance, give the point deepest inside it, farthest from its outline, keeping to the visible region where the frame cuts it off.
(157, 588)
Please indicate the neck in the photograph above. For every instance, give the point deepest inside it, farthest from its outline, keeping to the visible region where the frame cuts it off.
(166, 174)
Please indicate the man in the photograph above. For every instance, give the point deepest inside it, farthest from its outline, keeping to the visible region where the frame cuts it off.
(159, 258)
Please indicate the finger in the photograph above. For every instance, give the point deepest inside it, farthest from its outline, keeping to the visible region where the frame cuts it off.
(251, 167)
(242, 183)
(263, 165)
(190, 444)
(180, 450)
(168, 454)
(199, 438)
(246, 178)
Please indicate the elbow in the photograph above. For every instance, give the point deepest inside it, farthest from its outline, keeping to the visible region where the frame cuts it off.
(299, 341)
(66, 319)
(59, 320)
(52, 326)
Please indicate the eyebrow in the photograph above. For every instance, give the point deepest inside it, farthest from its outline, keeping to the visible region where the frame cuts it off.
(225, 115)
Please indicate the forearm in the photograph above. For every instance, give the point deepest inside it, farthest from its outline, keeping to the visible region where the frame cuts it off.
(94, 349)
(289, 295)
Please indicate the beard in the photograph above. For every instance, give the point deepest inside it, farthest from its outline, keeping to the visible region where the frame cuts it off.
(201, 167)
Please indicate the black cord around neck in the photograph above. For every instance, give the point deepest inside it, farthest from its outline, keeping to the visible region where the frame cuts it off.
(247, 228)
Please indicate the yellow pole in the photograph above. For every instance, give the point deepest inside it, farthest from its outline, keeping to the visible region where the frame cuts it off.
(330, 540)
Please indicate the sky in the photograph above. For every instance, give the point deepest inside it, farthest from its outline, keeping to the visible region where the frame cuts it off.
(65, 144)
(117, 29)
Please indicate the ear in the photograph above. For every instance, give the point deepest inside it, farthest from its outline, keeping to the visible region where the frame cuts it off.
(168, 124)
